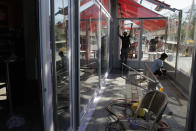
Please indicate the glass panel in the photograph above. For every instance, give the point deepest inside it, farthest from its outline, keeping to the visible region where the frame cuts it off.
(104, 44)
(171, 44)
(62, 69)
(89, 36)
(132, 38)
(154, 44)
(83, 2)
(153, 41)
(186, 46)
(105, 4)
(132, 9)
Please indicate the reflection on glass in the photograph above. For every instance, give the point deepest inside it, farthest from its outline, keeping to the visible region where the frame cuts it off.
(132, 30)
(170, 46)
(62, 90)
(153, 39)
(83, 2)
(104, 44)
(105, 4)
(186, 48)
(89, 35)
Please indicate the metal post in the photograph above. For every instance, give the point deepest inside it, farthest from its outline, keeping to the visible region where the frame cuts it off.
(140, 44)
(86, 46)
(146, 18)
(166, 34)
(178, 40)
(53, 63)
(74, 36)
(45, 58)
(99, 46)
(114, 35)
(108, 47)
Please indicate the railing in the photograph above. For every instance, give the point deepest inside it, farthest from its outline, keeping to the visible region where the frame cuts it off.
(148, 76)
(149, 73)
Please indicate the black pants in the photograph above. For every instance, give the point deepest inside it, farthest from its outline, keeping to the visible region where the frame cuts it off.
(124, 55)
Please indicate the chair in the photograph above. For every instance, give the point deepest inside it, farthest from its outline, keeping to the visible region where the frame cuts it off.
(155, 102)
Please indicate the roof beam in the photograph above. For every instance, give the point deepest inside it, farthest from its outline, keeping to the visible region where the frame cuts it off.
(162, 5)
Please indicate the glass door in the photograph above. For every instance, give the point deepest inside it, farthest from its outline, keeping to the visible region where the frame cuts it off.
(60, 49)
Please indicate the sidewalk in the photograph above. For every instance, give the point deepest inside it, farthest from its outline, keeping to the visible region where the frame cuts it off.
(119, 88)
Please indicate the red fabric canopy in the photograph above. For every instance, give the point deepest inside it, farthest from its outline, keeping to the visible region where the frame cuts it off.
(92, 16)
(127, 9)
(131, 9)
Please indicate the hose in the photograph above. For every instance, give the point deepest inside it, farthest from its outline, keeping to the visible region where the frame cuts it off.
(163, 125)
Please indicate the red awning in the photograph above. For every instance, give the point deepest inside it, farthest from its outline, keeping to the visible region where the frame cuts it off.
(91, 15)
(131, 9)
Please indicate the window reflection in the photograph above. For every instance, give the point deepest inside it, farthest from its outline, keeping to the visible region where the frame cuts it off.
(62, 88)
(104, 44)
(83, 2)
(105, 4)
(170, 46)
(132, 29)
(89, 35)
(153, 40)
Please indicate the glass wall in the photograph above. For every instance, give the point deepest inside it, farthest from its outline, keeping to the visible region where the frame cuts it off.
(186, 46)
(153, 39)
(171, 44)
(62, 64)
(133, 30)
(94, 57)
(106, 4)
(104, 44)
(89, 53)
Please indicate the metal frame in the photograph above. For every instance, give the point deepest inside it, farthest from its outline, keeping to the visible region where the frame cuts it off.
(86, 6)
(74, 69)
(178, 41)
(113, 27)
(140, 44)
(99, 42)
(53, 63)
(141, 32)
(139, 19)
(107, 42)
(145, 18)
(155, 2)
(102, 7)
(166, 33)
(191, 114)
(46, 75)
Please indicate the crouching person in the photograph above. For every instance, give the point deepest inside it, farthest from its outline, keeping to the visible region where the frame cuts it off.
(157, 66)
